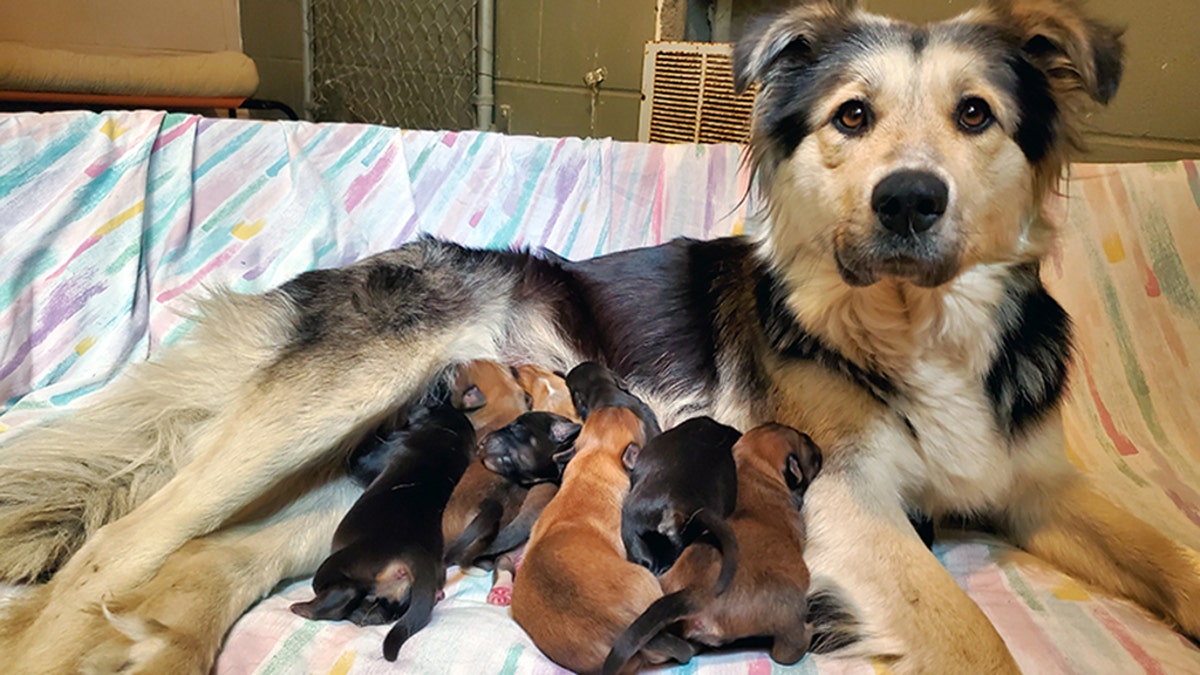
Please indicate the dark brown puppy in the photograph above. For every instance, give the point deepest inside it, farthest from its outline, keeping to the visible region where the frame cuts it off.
(387, 551)
(775, 464)
(483, 501)
(594, 386)
(576, 592)
(671, 503)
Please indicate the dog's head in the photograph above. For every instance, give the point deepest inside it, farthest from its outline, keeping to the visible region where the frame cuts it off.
(891, 150)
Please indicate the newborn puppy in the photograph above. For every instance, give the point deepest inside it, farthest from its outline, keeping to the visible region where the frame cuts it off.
(594, 386)
(775, 465)
(387, 551)
(533, 449)
(683, 485)
(576, 592)
(531, 452)
(547, 391)
(483, 501)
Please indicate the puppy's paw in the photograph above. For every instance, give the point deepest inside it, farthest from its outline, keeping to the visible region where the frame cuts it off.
(500, 596)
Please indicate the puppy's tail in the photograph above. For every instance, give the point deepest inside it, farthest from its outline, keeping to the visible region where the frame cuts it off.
(429, 576)
(517, 532)
(478, 535)
(662, 613)
(706, 520)
(60, 483)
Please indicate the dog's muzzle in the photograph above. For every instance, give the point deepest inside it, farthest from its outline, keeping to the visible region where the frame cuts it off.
(906, 241)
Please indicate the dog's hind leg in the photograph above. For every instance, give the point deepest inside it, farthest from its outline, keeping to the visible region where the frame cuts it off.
(1060, 517)
(60, 483)
(176, 622)
(911, 611)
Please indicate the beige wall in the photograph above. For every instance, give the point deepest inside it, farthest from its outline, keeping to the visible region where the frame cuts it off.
(123, 26)
(272, 35)
(545, 47)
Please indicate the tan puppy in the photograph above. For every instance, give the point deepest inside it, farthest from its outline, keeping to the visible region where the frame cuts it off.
(576, 591)
(482, 501)
(547, 391)
(775, 464)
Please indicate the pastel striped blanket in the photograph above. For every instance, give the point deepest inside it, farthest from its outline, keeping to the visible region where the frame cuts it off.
(109, 222)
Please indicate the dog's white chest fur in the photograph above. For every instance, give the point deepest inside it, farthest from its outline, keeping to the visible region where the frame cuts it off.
(938, 359)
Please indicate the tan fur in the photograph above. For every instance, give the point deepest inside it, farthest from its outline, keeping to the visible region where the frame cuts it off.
(548, 392)
(171, 623)
(505, 402)
(576, 592)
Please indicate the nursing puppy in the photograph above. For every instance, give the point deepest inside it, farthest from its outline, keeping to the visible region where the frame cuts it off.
(531, 452)
(387, 551)
(775, 465)
(683, 485)
(594, 386)
(548, 391)
(483, 501)
(576, 591)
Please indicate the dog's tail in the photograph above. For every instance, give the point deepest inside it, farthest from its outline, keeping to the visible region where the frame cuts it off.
(60, 483)
(477, 537)
(706, 520)
(428, 577)
(662, 613)
(517, 532)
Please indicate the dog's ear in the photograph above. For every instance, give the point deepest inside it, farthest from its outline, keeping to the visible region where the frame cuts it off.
(790, 34)
(472, 399)
(630, 455)
(564, 431)
(1075, 52)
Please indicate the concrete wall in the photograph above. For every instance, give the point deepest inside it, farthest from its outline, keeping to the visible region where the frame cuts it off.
(544, 48)
(123, 26)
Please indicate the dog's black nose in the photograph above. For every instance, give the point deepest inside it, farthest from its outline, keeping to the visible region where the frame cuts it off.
(909, 202)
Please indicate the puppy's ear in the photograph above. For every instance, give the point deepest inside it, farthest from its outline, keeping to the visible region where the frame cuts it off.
(564, 431)
(630, 455)
(789, 35)
(473, 399)
(803, 465)
(1076, 53)
(563, 457)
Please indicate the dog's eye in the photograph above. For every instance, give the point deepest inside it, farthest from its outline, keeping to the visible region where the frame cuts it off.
(852, 118)
(974, 114)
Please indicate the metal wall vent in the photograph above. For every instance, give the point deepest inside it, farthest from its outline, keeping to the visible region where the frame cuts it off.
(687, 95)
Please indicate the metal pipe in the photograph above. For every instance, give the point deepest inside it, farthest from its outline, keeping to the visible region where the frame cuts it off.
(485, 56)
(306, 59)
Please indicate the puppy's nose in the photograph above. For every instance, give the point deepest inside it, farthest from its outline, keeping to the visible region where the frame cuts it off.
(909, 202)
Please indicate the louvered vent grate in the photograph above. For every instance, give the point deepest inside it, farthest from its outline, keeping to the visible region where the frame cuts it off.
(688, 97)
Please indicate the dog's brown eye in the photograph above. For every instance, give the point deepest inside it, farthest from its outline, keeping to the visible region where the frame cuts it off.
(852, 117)
(974, 114)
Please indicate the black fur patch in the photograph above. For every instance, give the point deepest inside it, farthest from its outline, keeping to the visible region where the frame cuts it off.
(1029, 372)
(785, 334)
(834, 625)
(1035, 133)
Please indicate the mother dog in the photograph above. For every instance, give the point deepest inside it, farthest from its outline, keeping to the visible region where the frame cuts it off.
(893, 310)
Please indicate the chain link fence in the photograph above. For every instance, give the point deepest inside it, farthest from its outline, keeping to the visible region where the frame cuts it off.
(407, 63)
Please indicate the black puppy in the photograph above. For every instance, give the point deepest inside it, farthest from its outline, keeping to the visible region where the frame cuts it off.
(387, 551)
(533, 449)
(683, 484)
(594, 386)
